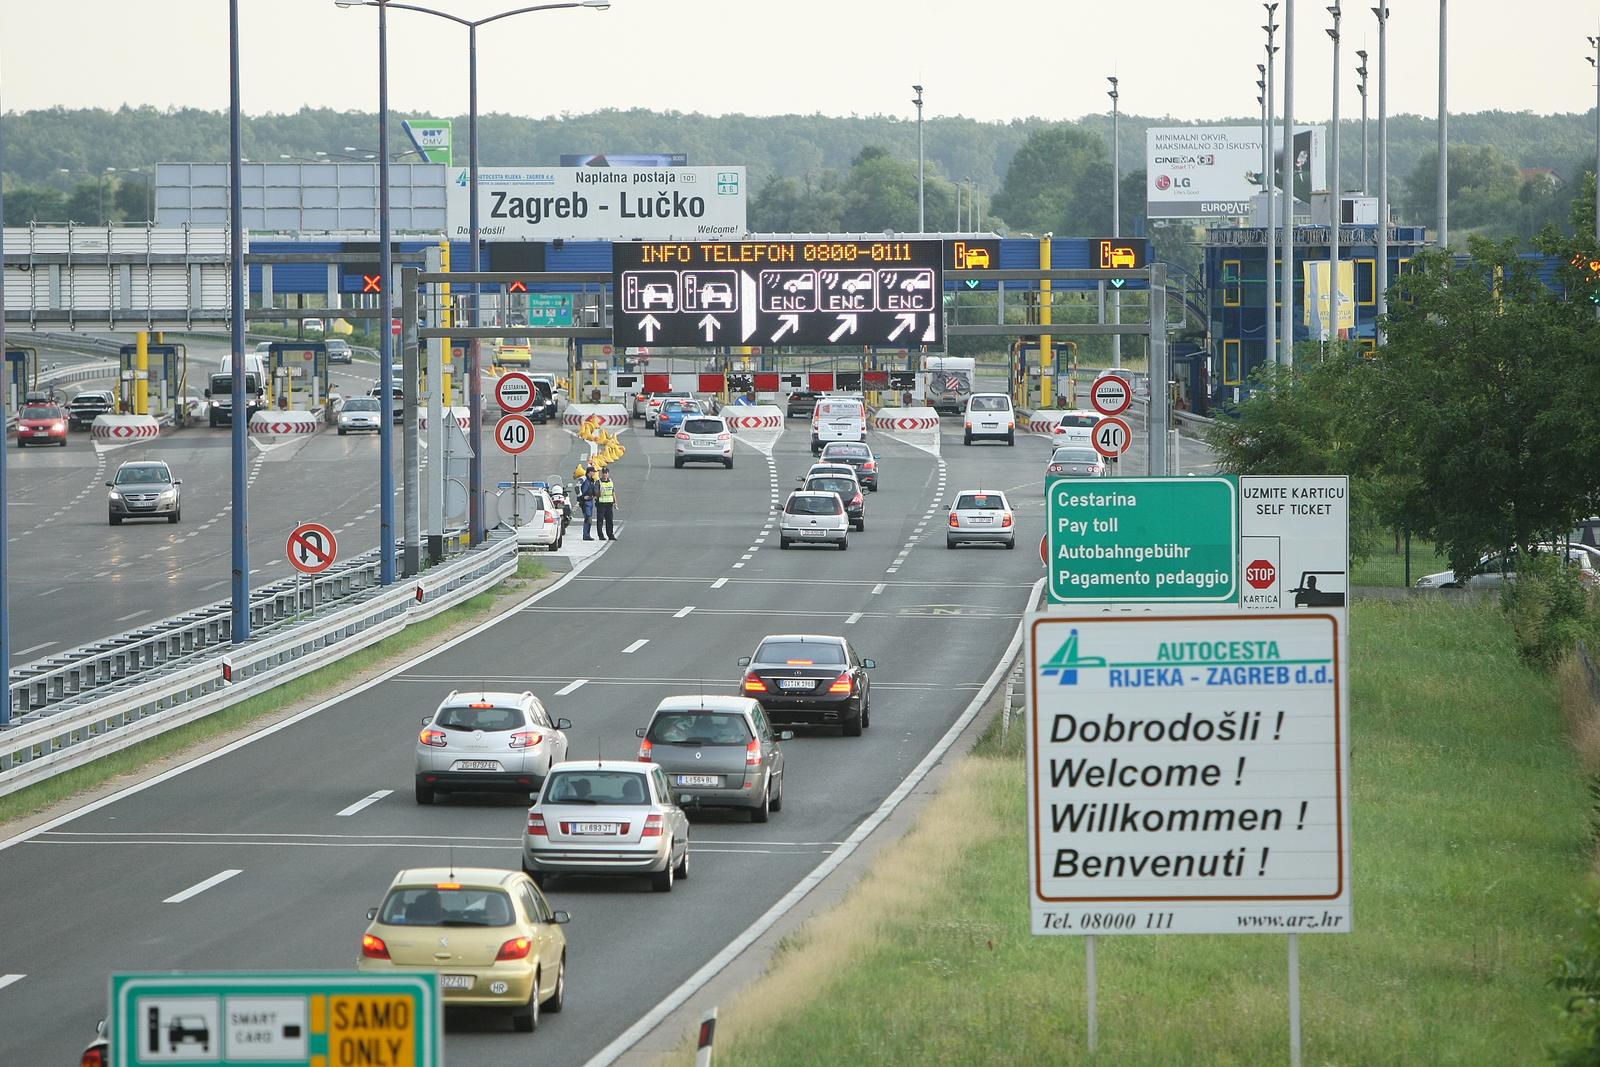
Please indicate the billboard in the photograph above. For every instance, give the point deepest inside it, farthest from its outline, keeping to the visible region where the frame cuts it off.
(430, 138)
(1215, 171)
(625, 159)
(600, 204)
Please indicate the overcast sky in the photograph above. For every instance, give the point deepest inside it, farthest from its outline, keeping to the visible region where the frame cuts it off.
(1190, 59)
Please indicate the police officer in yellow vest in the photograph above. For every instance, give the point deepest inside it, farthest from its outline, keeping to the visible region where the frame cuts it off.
(606, 505)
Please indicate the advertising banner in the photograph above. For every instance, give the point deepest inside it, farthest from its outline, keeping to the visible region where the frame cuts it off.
(600, 203)
(1215, 171)
(431, 138)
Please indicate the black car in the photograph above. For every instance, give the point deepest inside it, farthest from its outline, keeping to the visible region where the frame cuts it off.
(339, 351)
(802, 403)
(810, 680)
(858, 455)
(849, 490)
(86, 406)
(543, 408)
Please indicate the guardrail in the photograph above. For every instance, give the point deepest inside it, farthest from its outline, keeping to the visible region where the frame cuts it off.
(97, 723)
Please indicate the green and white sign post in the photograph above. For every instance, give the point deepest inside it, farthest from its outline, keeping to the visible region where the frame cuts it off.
(288, 1020)
(431, 137)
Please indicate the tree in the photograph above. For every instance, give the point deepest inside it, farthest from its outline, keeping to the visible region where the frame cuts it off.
(131, 200)
(1057, 182)
(880, 194)
(1484, 189)
(25, 204)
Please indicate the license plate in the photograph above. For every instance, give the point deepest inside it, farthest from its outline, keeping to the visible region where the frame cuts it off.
(981, 519)
(796, 683)
(812, 533)
(594, 827)
(703, 442)
(455, 981)
(477, 765)
(699, 779)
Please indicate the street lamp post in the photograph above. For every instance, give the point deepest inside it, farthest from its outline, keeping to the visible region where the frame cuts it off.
(474, 375)
(5, 573)
(922, 218)
(1116, 213)
(1594, 61)
(101, 182)
(1443, 188)
(1286, 284)
(239, 424)
(1270, 314)
(1334, 233)
(1361, 72)
(1381, 281)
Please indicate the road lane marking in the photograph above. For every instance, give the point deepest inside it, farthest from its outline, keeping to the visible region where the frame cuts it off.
(33, 648)
(364, 802)
(683, 611)
(10, 979)
(853, 619)
(213, 585)
(747, 555)
(637, 645)
(135, 615)
(877, 589)
(572, 687)
(201, 887)
(719, 583)
(737, 566)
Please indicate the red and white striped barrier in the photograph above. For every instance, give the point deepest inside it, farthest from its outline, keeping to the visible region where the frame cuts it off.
(284, 423)
(124, 429)
(754, 417)
(613, 417)
(905, 420)
(1042, 422)
(462, 416)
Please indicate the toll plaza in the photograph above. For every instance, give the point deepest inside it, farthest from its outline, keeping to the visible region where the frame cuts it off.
(150, 377)
(297, 375)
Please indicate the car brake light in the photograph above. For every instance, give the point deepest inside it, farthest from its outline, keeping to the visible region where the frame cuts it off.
(870, 465)
(373, 948)
(1056, 468)
(752, 684)
(480, 704)
(969, 424)
(652, 826)
(752, 753)
(526, 739)
(800, 662)
(856, 499)
(536, 826)
(954, 519)
(94, 1056)
(724, 436)
(1006, 521)
(435, 738)
(645, 748)
(682, 436)
(841, 684)
(1011, 425)
(515, 949)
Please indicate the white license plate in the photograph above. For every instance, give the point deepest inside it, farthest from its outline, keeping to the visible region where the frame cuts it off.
(477, 765)
(796, 683)
(594, 828)
(812, 533)
(455, 981)
(981, 519)
(699, 779)
(703, 442)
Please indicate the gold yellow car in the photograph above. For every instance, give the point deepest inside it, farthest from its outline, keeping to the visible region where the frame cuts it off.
(514, 352)
(490, 935)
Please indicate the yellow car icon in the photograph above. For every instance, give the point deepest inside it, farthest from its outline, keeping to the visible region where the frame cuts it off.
(977, 257)
(1123, 257)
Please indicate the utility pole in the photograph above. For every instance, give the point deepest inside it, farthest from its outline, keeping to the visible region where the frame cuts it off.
(5, 572)
(1444, 135)
(1286, 284)
(1382, 277)
(1594, 61)
(1334, 232)
(1361, 72)
(922, 217)
(1116, 216)
(1270, 314)
(239, 623)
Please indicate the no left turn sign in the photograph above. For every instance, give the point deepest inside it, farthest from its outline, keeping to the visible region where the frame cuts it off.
(514, 392)
(312, 548)
(514, 434)
(1112, 437)
(1110, 394)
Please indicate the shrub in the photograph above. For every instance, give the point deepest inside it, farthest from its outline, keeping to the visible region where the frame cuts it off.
(1548, 606)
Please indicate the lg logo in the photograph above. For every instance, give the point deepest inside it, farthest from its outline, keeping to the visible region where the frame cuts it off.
(1165, 182)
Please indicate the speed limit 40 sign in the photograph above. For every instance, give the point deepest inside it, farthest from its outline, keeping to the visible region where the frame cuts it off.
(1112, 437)
(514, 434)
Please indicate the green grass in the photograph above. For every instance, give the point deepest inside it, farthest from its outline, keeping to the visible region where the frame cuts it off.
(320, 683)
(1470, 848)
(1386, 567)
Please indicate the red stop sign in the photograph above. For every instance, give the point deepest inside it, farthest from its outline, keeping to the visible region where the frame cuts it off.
(1261, 574)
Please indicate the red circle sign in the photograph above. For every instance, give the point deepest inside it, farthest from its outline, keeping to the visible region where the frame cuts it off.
(312, 548)
(1261, 574)
(1110, 394)
(514, 392)
(1111, 437)
(1044, 549)
(514, 434)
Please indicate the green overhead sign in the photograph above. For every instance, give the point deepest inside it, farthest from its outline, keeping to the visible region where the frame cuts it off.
(549, 309)
(1143, 540)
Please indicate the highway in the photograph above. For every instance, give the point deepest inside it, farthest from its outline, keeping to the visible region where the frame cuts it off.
(695, 576)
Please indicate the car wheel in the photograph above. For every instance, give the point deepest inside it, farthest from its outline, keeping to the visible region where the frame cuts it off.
(661, 881)
(538, 878)
(116, 520)
(342, 431)
(424, 795)
(852, 725)
(63, 442)
(866, 715)
(525, 1020)
(683, 864)
(728, 463)
(21, 445)
(1011, 439)
(558, 999)
(949, 542)
(1011, 543)
(844, 543)
(759, 814)
(777, 801)
(677, 462)
(174, 517)
(783, 542)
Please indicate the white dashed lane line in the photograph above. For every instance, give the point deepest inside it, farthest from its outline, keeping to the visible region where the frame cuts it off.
(10, 979)
(854, 618)
(683, 611)
(364, 802)
(719, 583)
(200, 887)
(637, 645)
(572, 687)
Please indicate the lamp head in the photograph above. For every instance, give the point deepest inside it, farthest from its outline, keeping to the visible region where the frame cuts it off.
(598, 5)
(351, 3)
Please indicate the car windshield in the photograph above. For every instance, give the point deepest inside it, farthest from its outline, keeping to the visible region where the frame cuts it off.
(980, 502)
(702, 425)
(596, 787)
(846, 452)
(440, 906)
(41, 413)
(1079, 422)
(361, 403)
(675, 406)
(1075, 455)
(93, 398)
(801, 653)
(812, 505)
(144, 475)
(843, 486)
(489, 717)
(990, 403)
(514, 342)
(698, 728)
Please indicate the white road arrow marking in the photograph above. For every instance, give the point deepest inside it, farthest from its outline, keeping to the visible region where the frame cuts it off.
(709, 325)
(650, 324)
(907, 321)
(791, 324)
(929, 334)
(847, 324)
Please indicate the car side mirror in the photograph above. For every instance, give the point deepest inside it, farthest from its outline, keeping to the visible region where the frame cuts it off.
(949, 507)
(639, 732)
(786, 735)
(177, 481)
(563, 724)
(108, 485)
(427, 720)
(744, 661)
(208, 394)
(372, 913)
(869, 663)
(560, 918)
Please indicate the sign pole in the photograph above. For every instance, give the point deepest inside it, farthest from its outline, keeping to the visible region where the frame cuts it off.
(1091, 985)
(1160, 397)
(1294, 1000)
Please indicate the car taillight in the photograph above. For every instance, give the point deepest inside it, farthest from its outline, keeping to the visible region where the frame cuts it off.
(841, 684)
(1006, 521)
(373, 948)
(752, 684)
(682, 435)
(752, 753)
(870, 465)
(1011, 424)
(652, 826)
(969, 424)
(526, 738)
(724, 436)
(536, 825)
(515, 949)
(436, 738)
(645, 748)
(856, 499)
(94, 1056)
(1056, 468)
(954, 520)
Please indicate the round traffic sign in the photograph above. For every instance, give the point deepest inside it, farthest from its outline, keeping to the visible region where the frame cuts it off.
(514, 392)
(1110, 394)
(312, 548)
(1112, 437)
(1261, 574)
(1044, 549)
(514, 434)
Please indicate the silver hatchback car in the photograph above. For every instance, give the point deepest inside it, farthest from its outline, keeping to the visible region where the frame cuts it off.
(703, 439)
(720, 752)
(814, 518)
(488, 743)
(144, 489)
(981, 516)
(607, 817)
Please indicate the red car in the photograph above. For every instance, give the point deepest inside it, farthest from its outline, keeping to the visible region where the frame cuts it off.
(42, 424)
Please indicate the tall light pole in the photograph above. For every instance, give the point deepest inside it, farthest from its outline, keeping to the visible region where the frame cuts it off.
(239, 424)
(5, 532)
(1443, 189)
(101, 182)
(922, 218)
(1334, 233)
(474, 368)
(1381, 279)
(1361, 87)
(1594, 61)
(1270, 313)
(1286, 254)
(1116, 213)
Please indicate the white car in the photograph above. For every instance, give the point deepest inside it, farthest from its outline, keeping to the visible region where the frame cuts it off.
(1495, 569)
(658, 294)
(488, 742)
(360, 414)
(312, 325)
(1077, 427)
(703, 439)
(538, 517)
(716, 294)
(1076, 461)
(814, 518)
(607, 817)
(990, 415)
(981, 516)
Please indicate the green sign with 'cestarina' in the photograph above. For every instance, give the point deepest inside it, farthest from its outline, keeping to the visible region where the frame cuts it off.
(1143, 540)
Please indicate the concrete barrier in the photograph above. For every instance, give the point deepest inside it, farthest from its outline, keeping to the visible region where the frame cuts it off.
(124, 429)
(905, 420)
(613, 417)
(284, 423)
(1040, 422)
(755, 417)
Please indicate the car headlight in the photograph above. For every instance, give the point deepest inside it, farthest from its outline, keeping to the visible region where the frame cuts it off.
(169, 494)
(115, 495)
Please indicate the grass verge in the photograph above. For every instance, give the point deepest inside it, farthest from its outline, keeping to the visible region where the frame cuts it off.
(303, 691)
(1470, 838)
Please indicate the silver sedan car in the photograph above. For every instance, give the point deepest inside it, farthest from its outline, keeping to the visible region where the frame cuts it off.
(981, 516)
(359, 414)
(488, 743)
(720, 752)
(814, 518)
(144, 489)
(607, 817)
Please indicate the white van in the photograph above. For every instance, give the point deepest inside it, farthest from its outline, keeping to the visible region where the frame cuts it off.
(990, 415)
(837, 418)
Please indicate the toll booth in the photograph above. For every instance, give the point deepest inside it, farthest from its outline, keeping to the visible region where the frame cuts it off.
(1191, 372)
(22, 372)
(297, 375)
(165, 374)
(1026, 371)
